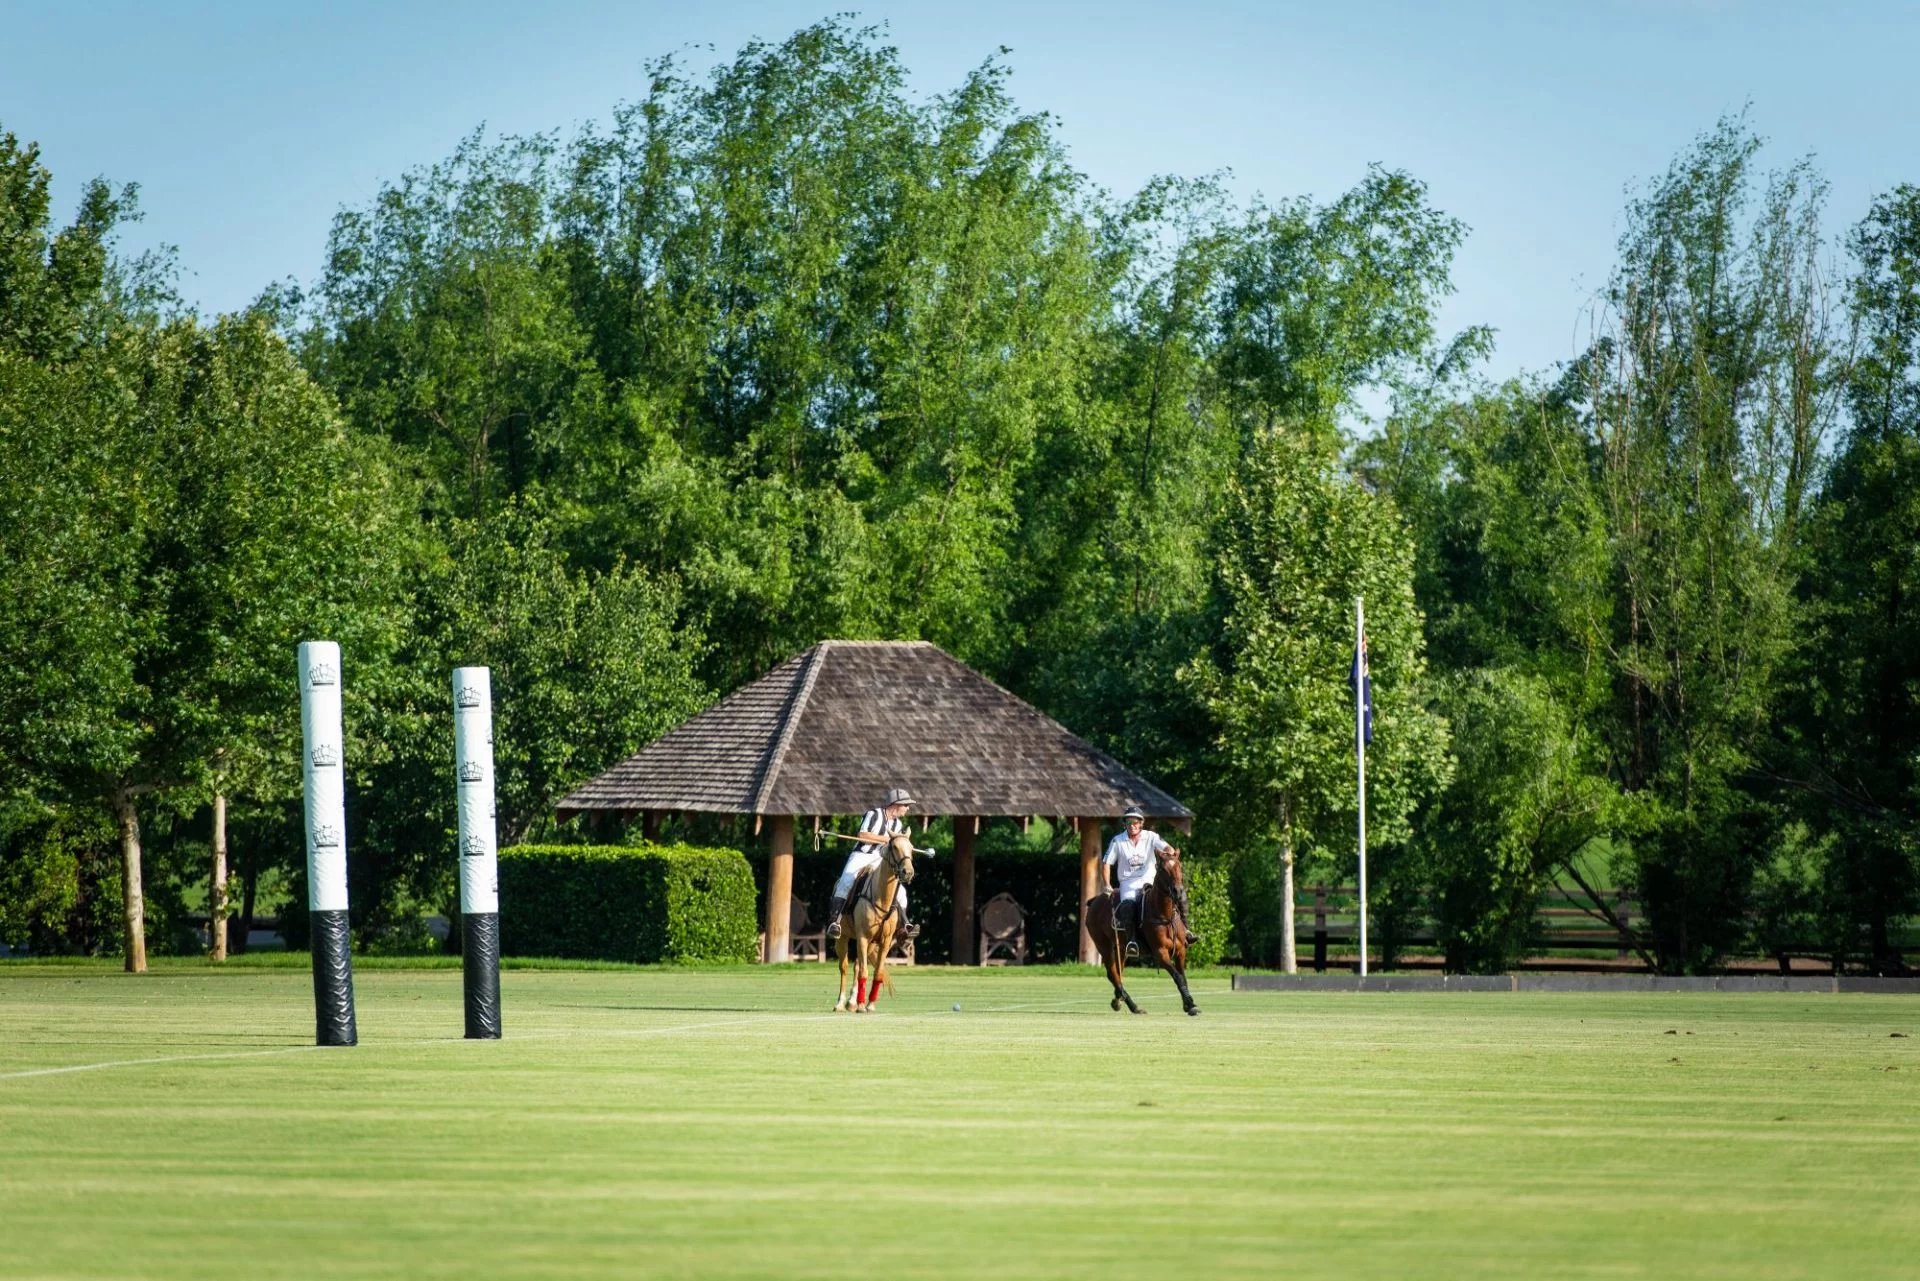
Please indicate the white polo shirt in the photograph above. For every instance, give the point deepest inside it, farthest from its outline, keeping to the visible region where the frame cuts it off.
(1133, 861)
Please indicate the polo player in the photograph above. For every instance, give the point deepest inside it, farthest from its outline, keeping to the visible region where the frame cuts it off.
(1134, 856)
(877, 826)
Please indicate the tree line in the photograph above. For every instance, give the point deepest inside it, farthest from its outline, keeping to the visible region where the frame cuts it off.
(784, 352)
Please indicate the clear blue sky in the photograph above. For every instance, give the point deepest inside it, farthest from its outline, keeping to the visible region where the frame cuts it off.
(247, 125)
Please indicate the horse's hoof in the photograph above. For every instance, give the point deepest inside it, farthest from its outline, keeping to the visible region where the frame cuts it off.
(1138, 1010)
(1193, 1009)
(1115, 1003)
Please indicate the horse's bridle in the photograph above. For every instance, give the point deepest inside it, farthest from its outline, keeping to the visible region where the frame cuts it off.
(1167, 900)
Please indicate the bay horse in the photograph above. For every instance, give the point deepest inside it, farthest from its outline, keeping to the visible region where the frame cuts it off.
(871, 925)
(1163, 933)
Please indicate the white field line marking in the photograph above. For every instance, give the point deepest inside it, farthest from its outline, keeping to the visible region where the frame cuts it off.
(175, 1058)
(525, 1036)
(1037, 1005)
(438, 1040)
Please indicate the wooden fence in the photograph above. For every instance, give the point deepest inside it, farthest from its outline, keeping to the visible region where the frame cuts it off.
(1329, 914)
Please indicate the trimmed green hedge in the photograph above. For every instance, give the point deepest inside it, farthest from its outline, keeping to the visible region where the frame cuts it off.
(643, 903)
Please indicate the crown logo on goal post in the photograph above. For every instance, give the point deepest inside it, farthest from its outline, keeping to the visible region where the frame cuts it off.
(325, 754)
(471, 772)
(475, 845)
(322, 673)
(468, 696)
(326, 836)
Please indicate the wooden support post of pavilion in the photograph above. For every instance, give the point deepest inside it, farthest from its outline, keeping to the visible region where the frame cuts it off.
(780, 890)
(964, 934)
(1089, 883)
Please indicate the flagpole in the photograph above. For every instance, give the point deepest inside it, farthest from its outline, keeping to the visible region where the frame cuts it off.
(1360, 746)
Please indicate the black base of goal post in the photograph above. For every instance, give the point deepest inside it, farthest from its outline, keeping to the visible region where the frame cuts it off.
(480, 962)
(332, 980)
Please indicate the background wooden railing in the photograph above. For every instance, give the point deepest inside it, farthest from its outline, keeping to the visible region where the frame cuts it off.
(1328, 914)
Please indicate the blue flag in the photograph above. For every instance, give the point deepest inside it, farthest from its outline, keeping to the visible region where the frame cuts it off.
(1362, 681)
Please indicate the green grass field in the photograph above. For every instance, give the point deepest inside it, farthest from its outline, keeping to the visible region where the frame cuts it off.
(722, 1123)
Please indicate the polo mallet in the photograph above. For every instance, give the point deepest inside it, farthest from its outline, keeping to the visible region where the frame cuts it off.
(840, 836)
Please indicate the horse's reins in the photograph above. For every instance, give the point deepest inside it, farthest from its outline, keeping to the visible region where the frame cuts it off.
(866, 891)
(1167, 900)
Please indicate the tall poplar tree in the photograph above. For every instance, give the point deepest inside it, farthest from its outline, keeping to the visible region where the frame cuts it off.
(1709, 394)
(1297, 544)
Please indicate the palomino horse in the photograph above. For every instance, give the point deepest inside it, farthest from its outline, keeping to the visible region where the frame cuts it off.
(871, 924)
(1163, 934)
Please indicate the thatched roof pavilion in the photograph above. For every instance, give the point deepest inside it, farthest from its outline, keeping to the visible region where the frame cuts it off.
(827, 731)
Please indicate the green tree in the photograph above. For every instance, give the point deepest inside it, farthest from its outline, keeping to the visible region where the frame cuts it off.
(1513, 571)
(1709, 392)
(586, 667)
(1297, 544)
(1227, 324)
(1318, 303)
(1524, 804)
(171, 497)
(448, 330)
(1852, 730)
(793, 338)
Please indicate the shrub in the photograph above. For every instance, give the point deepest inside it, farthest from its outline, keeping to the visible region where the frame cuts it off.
(1209, 894)
(1255, 891)
(627, 903)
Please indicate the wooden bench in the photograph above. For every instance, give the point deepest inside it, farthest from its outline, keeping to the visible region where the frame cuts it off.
(805, 943)
(1003, 931)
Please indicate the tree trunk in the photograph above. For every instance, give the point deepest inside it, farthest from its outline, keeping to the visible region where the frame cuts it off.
(217, 892)
(130, 881)
(249, 883)
(1289, 956)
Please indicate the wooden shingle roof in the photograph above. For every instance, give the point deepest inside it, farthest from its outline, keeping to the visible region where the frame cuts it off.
(829, 730)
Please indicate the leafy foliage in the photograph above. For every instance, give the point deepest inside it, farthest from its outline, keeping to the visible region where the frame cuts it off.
(1523, 805)
(787, 352)
(1297, 545)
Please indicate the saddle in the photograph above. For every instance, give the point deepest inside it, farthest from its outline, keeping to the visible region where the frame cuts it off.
(859, 885)
(1130, 922)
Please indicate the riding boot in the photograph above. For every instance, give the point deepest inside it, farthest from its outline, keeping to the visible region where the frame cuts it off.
(834, 910)
(1130, 926)
(907, 928)
(1186, 916)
